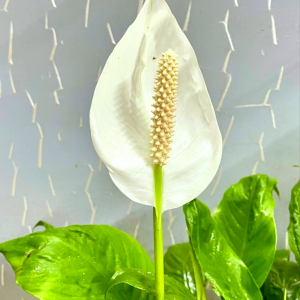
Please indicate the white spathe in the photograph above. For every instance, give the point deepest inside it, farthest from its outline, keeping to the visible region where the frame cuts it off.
(121, 111)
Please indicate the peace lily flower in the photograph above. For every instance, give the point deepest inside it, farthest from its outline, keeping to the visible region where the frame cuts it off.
(154, 64)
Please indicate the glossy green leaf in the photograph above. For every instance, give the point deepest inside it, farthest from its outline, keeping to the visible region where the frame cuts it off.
(283, 282)
(224, 270)
(283, 254)
(140, 279)
(179, 265)
(43, 224)
(245, 216)
(62, 263)
(294, 226)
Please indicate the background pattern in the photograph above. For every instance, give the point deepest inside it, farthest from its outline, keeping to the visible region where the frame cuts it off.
(51, 55)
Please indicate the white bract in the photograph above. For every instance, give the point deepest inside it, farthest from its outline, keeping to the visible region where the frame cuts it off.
(120, 116)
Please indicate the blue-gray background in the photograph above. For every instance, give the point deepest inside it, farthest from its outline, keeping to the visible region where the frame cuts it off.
(64, 59)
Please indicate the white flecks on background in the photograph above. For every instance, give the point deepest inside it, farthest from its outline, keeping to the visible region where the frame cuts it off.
(262, 155)
(263, 52)
(60, 87)
(59, 136)
(136, 230)
(187, 18)
(61, 42)
(12, 82)
(100, 165)
(269, 4)
(2, 274)
(236, 3)
(110, 34)
(24, 211)
(255, 168)
(29, 229)
(274, 35)
(229, 80)
(273, 117)
(87, 186)
(54, 38)
(87, 12)
(33, 105)
(66, 224)
(140, 5)
(173, 242)
(51, 186)
(40, 148)
(80, 122)
(53, 3)
(10, 45)
(267, 96)
(225, 23)
(277, 88)
(11, 149)
(171, 220)
(13, 186)
(5, 5)
(286, 242)
(228, 131)
(225, 65)
(88, 183)
(129, 208)
(217, 182)
(49, 208)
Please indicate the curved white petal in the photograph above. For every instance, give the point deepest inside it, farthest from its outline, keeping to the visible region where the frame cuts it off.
(121, 111)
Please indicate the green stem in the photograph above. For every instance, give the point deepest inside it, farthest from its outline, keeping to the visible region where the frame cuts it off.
(198, 278)
(158, 233)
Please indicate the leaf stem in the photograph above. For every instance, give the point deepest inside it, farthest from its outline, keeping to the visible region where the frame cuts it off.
(158, 233)
(198, 278)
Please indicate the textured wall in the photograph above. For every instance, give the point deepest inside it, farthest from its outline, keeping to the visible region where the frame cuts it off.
(51, 53)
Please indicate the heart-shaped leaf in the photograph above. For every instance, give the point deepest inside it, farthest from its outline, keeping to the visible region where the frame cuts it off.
(245, 217)
(224, 270)
(75, 262)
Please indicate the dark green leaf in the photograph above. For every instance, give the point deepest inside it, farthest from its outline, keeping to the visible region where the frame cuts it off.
(283, 254)
(224, 270)
(283, 282)
(43, 224)
(179, 265)
(294, 226)
(245, 216)
(140, 279)
(74, 262)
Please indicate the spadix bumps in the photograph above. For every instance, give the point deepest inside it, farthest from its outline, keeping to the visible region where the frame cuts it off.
(164, 108)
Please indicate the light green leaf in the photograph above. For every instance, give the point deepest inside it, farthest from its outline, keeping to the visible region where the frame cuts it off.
(145, 281)
(294, 226)
(245, 217)
(224, 270)
(179, 265)
(62, 263)
(283, 282)
(121, 111)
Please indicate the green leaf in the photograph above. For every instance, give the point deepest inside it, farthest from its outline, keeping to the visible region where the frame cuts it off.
(294, 226)
(283, 282)
(245, 217)
(140, 279)
(74, 262)
(43, 224)
(283, 254)
(179, 265)
(224, 270)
